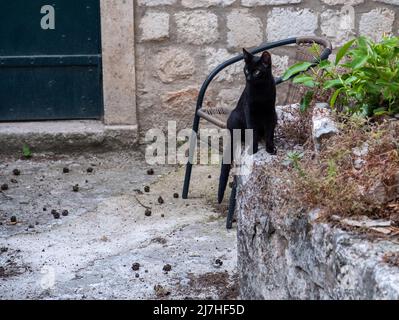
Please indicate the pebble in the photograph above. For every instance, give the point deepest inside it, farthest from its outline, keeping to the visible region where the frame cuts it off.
(56, 215)
(136, 266)
(218, 263)
(167, 268)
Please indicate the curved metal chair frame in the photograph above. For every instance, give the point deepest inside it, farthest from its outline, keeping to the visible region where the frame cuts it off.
(200, 112)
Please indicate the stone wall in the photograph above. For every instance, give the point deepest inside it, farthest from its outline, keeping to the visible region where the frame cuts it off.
(286, 253)
(179, 41)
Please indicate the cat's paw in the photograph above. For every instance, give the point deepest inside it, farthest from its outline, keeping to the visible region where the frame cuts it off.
(271, 150)
(255, 149)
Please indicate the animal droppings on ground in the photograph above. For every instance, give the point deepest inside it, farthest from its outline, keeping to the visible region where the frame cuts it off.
(167, 268)
(136, 266)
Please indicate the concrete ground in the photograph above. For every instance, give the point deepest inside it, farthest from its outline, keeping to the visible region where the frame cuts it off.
(89, 253)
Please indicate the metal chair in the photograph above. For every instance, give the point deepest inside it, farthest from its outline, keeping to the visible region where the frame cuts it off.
(219, 116)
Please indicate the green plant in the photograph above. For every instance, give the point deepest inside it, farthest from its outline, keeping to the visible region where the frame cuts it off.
(26, 152)
(294, 158)
(363, 79)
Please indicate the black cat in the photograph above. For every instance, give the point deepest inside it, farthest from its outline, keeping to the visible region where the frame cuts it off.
(255, 110)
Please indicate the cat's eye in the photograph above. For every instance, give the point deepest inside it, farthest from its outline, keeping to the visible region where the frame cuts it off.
(256, 73)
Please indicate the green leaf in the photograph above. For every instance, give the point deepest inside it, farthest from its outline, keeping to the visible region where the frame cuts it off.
(332, 83)
(306, 100)
(359, 62)
(364, 44)
(324, 64)
(350, 80)
(380, 112)
(305, 80)
(342, 52)
(26, 152)
(296, 68)
(335, 97)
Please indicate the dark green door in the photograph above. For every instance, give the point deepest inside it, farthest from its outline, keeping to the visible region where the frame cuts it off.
(50, 60)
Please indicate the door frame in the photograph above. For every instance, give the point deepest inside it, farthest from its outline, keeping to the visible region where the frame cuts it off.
(118, 62)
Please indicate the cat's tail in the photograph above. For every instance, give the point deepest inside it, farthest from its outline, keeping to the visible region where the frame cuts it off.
(224, 178)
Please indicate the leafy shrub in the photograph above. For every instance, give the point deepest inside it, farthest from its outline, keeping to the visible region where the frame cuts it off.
(363, 79)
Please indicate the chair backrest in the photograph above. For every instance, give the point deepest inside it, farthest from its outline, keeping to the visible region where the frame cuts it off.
(302, 45)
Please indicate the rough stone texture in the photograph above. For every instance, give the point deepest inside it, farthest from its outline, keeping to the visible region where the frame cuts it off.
(255, 3)
(228, 98)
(198, 27)
(153, 3)
(280, 64)
(287, 254)
(154, 26)
(244, 30)
(192, 4)
(376, 22)
(65, 136)
(214, 57)
(285, 23)
(338, 26)
(393, 2)
(174, 64)
(179, 106)
(323, 125)
(118, 45)
(341, 2)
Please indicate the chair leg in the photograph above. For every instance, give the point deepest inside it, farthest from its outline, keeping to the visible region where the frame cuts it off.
(189, 165)
(232, 205)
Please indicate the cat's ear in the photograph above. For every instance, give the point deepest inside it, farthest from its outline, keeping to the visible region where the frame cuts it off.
(266, 59)
(247, 56)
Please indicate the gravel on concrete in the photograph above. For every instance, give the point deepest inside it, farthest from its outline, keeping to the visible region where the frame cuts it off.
(89, 252)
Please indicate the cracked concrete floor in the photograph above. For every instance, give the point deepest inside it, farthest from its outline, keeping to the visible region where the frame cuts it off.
(89, 253)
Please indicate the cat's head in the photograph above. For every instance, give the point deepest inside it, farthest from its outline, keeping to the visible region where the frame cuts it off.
(257, 68)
